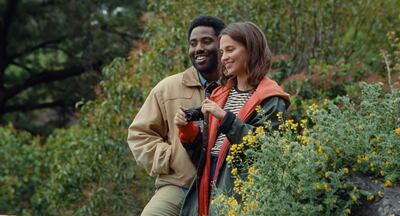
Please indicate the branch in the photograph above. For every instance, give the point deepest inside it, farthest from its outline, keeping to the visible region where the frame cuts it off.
(50, 76)
(30, 107)
(36, 47)
(29, 70)
(389, 71)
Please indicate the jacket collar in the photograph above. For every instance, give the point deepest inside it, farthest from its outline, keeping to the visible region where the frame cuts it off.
(190, 77)
(266, 88)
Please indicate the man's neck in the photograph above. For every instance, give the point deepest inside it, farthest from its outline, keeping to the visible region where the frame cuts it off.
(210, 76)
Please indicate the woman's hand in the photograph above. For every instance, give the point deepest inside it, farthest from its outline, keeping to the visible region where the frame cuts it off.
(213, 108)
(180, 118)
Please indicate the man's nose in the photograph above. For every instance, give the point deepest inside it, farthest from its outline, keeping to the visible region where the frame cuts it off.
(199, 48)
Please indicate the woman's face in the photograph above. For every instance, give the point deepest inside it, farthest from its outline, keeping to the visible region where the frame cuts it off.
(233, 56)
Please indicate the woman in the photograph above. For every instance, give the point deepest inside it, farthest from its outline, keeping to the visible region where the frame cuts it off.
(245, 61)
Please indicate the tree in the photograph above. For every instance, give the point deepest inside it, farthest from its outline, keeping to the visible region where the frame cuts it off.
(51, 51)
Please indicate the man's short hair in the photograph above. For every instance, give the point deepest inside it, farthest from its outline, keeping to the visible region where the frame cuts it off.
(210, 21)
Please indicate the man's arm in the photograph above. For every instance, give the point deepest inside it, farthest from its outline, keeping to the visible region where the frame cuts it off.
(147, 137)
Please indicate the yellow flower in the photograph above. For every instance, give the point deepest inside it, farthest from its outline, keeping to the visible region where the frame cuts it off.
(317, 186)
(387, 164)
(347, 211)
(382, 173)
(370, 197)
(320, 149)
(398, 131)
(229, 159)
(279, 115)
(294, 126)
(354, 169)
(313, 107)
(358, 159)
(305, 140)
(380, 193)
(252, 170)
(260, 131)
(326, 187)
(234, 171)
(346, 171)
(258, 109)
(303, 123)
(298, 189)
(232, 202)
(326, 156)
(354, 197)
(388, 183)
(366, 157)
(326, 175)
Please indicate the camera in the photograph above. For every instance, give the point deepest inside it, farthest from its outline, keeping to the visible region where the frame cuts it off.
(194, 114)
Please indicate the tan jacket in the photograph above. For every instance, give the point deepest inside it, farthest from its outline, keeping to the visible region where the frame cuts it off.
(153, 136)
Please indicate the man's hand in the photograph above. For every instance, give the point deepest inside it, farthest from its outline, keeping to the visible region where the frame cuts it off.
(211, 107)
(180, 118)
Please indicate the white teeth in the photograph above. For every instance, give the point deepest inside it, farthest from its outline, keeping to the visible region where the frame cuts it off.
(200, 58)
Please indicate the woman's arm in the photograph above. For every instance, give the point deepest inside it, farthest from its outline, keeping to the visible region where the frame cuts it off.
(235, 129)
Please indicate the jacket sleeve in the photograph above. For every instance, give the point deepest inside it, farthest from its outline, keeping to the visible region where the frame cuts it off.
(235, 129)
(147, 137)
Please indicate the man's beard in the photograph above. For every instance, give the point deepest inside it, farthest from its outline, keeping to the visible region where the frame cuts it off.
(211, 65)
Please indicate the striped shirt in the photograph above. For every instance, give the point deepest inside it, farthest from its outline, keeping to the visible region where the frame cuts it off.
(234, 103)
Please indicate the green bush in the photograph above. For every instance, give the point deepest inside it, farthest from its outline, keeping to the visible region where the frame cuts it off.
(91, 169)
(86, 169)
(310, 173)
(20, 169)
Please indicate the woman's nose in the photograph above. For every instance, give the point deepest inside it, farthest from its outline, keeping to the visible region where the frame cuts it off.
(224, 57)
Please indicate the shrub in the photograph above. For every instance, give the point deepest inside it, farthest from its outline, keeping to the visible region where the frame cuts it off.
(20, 169)
(311, 173)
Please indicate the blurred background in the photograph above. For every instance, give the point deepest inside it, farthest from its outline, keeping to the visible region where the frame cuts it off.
(74, 73)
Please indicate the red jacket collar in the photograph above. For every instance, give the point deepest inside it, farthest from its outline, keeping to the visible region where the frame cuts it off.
(266, 88)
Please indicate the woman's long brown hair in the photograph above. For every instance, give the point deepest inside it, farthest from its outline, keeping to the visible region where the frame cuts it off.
(258, 53)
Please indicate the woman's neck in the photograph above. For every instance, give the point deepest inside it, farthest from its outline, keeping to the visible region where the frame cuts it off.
(242, 84)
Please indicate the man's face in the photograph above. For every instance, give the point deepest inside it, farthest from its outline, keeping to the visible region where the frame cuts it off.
(203, 49)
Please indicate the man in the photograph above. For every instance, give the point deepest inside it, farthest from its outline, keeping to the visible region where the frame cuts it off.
(153, 137)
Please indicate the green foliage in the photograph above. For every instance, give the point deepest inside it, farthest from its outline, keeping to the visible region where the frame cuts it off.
(326, 30)
(86, 169)
(310, 174)
(20, 169)
(61, 60)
